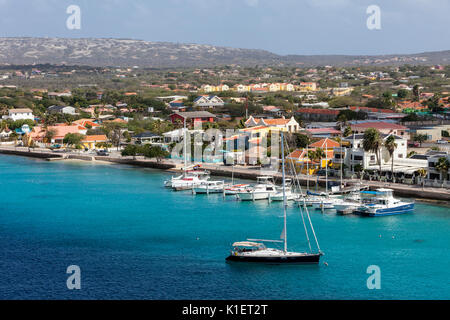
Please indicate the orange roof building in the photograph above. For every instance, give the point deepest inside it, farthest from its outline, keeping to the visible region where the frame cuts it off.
(289, 125)
(325, 144)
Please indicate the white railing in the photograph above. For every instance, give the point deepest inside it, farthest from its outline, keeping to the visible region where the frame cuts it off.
(435, 183)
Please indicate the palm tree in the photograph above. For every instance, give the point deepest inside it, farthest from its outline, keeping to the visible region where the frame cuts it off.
(312, 156)
(49, 135)
(391, 146)
(422, 172)
(347, 131)
(319, 155)
(341, 121)
(372, 142)
(442, 166)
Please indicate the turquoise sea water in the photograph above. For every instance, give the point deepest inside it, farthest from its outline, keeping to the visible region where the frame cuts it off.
(134, 239)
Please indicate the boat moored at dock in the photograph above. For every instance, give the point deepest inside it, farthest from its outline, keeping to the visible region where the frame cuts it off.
(188, 180)
(384, 204)
(207, 187)
(261, 191)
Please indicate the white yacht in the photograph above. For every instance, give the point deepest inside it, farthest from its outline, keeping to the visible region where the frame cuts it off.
(208, 187)
(189, 180)
(349, 203)
(262, 190)
(384, 204)
(288, 192)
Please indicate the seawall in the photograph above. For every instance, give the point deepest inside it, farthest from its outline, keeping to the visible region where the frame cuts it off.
(249, 173)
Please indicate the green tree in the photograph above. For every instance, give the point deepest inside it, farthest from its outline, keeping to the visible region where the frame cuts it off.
(319, 155)
(114, 131)
(131, 150)
(73, 139)
(402, 93)
(420, 138)
(442, 165)
(154, 152)
(390, 145)
(49, 135)
(416, 92)
(341, 120)
(348, 131)
(301, 140)
(372, 142)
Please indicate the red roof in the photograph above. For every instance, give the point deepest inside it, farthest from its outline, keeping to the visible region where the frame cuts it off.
(318, 111)
(95, 138)
(378, 125)
(325, 144)
(366, 109)
(324, 130)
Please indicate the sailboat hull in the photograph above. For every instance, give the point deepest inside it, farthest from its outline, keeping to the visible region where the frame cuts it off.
(300, 259)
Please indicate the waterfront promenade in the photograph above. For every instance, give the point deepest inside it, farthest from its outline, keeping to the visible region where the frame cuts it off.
(239, 172)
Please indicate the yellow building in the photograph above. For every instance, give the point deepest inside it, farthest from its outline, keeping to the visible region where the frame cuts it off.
(90, 142)
(307, 86)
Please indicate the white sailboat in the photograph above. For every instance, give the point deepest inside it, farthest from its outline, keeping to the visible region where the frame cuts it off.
(254, 251)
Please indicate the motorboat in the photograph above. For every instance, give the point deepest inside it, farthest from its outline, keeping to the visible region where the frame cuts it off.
(264, 188)
(189, 180)
(278, 196)
(348, 204)
(384, 204)
(290, 194)
(234, 189)
(207, 187)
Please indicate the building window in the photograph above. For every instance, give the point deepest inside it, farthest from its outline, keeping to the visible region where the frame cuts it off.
(400, 156)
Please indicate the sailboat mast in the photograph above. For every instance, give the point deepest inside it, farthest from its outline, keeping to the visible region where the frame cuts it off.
(284, 191)
(232, 175)
(326, 167)
(307, 170)
(185, 145)
(342, 160)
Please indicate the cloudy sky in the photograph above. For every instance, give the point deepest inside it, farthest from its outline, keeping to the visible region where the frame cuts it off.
(280, 26)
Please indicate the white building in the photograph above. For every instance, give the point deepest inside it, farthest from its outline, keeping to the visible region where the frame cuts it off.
(433, 173)
(208, 101)
(288, 125)
(356, 155)
(20, 114)
(62, 110)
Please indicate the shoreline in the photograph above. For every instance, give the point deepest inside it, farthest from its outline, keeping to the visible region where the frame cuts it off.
(433, 195)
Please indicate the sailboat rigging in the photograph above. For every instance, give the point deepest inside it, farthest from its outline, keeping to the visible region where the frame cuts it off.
(253, 250)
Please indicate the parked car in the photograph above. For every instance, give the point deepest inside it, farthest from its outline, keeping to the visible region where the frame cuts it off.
(55, 146)
(413, 144)
(102, 153)
(442, 141)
